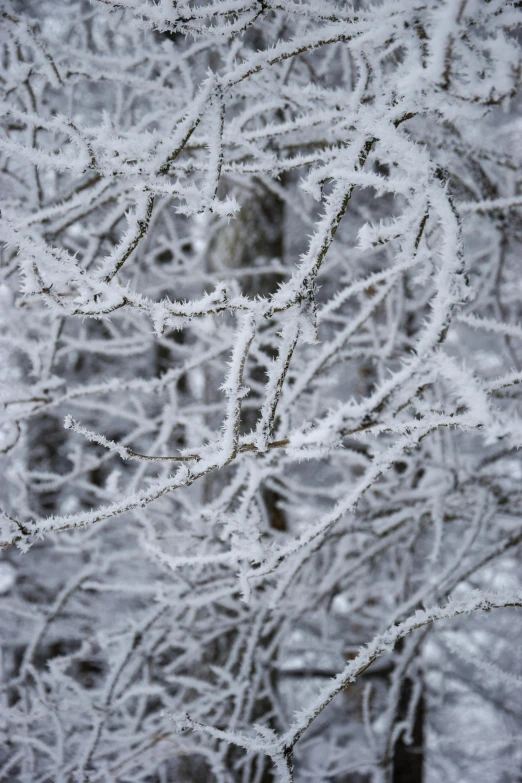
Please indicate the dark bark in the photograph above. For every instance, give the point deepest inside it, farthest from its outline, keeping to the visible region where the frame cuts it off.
(408, 760)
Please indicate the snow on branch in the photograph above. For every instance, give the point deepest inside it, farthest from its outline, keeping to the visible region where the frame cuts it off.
(260, 395)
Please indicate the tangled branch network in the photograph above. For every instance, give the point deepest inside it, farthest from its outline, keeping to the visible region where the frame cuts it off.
(260, 331)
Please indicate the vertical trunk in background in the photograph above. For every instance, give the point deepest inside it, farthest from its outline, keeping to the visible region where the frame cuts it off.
(266, 241)
(254, 239)
(408, 760)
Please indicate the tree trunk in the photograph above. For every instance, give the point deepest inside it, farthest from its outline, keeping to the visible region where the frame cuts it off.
(408, 760)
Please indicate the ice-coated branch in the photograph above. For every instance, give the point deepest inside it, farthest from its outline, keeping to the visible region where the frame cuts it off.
(479, 601)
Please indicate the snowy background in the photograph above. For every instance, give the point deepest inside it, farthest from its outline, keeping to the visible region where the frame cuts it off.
(260, 334)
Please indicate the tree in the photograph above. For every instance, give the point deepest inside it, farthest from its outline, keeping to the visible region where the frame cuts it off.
(260, 323)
